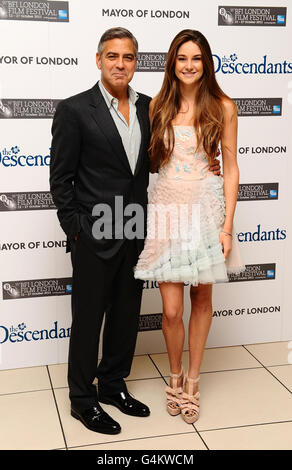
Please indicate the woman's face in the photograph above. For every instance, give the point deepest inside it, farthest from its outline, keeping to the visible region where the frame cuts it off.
(188, 64)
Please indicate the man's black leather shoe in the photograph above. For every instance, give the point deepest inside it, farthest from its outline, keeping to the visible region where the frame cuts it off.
(125, 403)
(96, 419)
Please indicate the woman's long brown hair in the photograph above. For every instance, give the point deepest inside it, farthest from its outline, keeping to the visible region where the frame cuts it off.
(208, 120)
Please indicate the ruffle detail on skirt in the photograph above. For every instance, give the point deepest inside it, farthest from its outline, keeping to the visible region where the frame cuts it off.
(188, 259)
(185, 273)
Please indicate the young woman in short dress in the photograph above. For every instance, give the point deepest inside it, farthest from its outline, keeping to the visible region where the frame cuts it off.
(190, 233)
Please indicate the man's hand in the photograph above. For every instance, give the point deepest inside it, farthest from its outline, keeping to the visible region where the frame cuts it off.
(76, 236)
(215, 166)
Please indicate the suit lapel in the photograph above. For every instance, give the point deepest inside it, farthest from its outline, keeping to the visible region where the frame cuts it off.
(105, 122)
(142, 118)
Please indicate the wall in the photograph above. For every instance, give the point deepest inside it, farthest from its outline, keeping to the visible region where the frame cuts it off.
(48, 53)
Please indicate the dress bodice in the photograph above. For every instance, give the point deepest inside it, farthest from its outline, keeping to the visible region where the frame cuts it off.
(186, 162)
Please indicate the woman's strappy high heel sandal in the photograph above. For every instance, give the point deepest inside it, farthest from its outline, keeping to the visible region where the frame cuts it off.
(174, 394)
(190, 402)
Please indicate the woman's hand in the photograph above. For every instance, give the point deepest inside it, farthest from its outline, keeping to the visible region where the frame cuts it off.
(226, 242)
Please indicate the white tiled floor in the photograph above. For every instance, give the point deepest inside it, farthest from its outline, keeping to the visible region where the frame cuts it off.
(246, 403)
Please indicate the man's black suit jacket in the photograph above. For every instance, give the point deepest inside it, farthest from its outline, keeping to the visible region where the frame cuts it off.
(89, 165)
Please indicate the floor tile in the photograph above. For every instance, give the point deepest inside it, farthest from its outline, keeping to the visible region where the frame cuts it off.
(229, 358)
(58, 374)
(270, 354)
(24, 380)
(263, 437)
(188, 441)
(243, 405)
(214, 359)
(242, 397)
(284, 374)
(142, 368)
(29, 421)
(158, 423)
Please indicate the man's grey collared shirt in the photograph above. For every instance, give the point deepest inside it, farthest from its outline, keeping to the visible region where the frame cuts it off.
(130, 133)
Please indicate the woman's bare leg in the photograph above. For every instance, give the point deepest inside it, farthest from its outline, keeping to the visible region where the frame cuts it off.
(172, 324)
(199, 326)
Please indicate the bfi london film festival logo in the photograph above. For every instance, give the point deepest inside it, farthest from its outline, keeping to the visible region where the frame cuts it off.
(27, 289)
(150, 322)
(27, 108)
(258, 106)
(26, 201)
(151, 61)
(251, 16)
(258, 191)
(255, 272)
(34, 11)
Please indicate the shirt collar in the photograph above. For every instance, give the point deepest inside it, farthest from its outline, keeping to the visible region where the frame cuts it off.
(110, 100)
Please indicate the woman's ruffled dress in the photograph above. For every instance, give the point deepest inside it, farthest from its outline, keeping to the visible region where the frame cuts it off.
(186, 213)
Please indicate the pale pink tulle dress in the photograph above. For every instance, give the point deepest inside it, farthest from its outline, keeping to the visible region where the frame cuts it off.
(185, 215)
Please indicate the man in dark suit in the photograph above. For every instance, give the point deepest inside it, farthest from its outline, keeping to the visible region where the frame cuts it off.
(98, 153)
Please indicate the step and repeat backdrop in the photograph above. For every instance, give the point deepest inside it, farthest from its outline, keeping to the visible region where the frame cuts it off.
(47, 53)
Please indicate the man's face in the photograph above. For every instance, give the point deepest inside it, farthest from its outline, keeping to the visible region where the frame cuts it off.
(117, 63)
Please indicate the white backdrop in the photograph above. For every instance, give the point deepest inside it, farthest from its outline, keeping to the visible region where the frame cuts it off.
(47, 54)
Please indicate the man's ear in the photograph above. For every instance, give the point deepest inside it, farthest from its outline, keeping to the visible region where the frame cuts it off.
(98, 60)
(136, 64)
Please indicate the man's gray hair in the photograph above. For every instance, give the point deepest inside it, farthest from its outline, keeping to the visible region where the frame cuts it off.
(116, 33)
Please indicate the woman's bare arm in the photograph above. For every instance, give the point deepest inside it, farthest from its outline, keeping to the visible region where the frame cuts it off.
(229, 158)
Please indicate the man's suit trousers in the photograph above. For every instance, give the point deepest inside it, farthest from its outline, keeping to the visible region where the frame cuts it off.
(102, 290)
